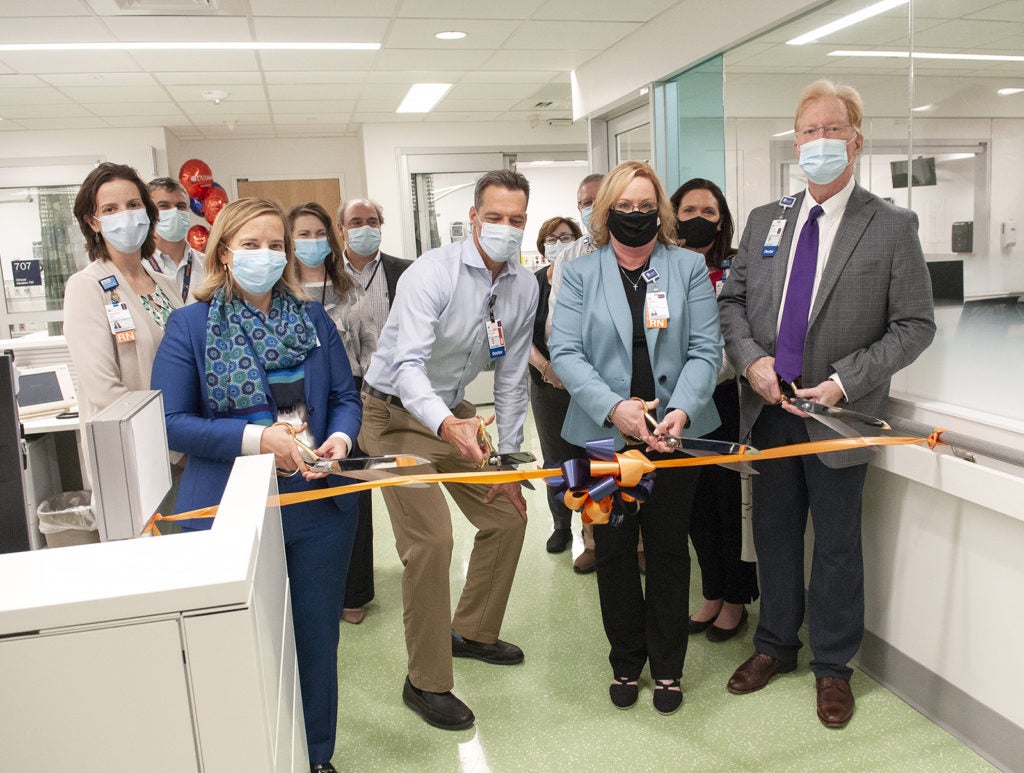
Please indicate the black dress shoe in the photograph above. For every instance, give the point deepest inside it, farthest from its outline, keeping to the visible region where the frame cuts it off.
(699, 626)
(440, 709)
(667, 697)
(624, 691)
(501, 653)
(717, 634)
(559, 540)
(322, 767)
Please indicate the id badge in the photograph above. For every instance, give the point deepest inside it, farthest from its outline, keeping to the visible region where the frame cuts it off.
(771, 244)
(495, 339)
(121, 323)
(657, 310)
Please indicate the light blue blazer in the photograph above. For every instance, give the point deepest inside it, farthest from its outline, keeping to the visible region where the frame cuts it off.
(592, 342)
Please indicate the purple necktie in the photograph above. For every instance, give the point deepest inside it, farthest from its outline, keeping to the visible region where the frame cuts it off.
(789, 349)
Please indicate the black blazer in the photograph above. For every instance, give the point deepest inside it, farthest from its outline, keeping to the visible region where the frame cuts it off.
(393, 268)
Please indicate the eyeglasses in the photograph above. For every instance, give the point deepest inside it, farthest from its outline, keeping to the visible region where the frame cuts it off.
(564, 239)
(625, 207)
(829, 132)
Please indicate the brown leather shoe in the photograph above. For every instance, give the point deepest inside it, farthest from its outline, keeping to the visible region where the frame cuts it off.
(755, 672)
(835, 701)
(584, 563)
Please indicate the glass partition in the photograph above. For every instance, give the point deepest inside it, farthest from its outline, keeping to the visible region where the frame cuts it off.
(943, 89)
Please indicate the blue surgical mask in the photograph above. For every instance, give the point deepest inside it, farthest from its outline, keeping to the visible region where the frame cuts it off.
(125, 231)
(365, 240)
(312, 252)
(585, 214)
(500, 242)
(552, 251)
(823, 160)
(173, 224)
(257, 271)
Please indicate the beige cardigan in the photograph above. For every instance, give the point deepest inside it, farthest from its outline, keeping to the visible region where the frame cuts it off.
(106, 369)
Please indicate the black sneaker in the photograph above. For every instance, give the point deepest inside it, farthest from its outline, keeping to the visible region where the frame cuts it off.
(440, 709)
(501, 653)
(559, 540)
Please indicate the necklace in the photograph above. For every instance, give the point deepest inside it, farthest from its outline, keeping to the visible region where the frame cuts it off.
(635, 283)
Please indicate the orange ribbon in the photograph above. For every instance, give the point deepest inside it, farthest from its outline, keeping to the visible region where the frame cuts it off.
(628, 466)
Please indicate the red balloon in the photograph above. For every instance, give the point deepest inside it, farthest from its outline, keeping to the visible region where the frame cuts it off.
(214, 202)
(195, 176)
(197, 236)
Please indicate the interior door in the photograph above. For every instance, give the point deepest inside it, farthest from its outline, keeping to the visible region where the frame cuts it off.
(288, 193)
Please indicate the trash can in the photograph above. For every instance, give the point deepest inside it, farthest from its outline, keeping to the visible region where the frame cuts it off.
(67, 519)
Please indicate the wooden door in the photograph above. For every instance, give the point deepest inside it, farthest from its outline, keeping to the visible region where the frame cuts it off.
(288, 193)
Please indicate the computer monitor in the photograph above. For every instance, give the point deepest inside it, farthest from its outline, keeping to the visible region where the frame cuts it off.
(44, 391)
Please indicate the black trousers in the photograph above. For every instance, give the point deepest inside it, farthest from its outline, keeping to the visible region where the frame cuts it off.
(359, 589)
(648, 622)
(549, 408)
(716, 527)
(783, 492)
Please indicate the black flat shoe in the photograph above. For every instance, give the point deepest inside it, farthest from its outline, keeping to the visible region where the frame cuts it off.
(501, 653)
(440, 709)
(559, 540)
(624, 691)
(322, 767)
(699, 626)
(717, 634)
(667, 697)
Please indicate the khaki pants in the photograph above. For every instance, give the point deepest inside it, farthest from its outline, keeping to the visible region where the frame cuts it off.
(423, 535)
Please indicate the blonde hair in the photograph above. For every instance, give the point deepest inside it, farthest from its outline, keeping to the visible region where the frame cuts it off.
(826, 89)
(228, 222)
(612, 186)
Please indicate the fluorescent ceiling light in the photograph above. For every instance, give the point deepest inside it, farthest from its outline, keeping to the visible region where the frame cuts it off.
(846, 21)
(931, 55)
(422, 97)
(450, 35)
(1008, 92)
(923, 108)
(785, 133)
(191, 45)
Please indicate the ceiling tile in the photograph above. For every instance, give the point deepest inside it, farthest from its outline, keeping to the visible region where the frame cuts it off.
(962, 34)
(132, 107)
(511, 76)
(47, 124)
(407, 77)
(174, 28)
(320, 30)
(127, 94)
(196, 61)
(32, 96)
(21, 81)
(40, 62)
(317, 60)
(319, 91)
(113, 79)
(345, 106)
(48, 9)
(556, 60)
(225, 110)
(431, 9)
(412, 58)
(305, 77)
(506, 91)
(67, 29)
(208, 79)
(585, 35)
(380, 8)
(448, 105)
(236, 92)
(45, 111)
(419, 33)
(606, 10)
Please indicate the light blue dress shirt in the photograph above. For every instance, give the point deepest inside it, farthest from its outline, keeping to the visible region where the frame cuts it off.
(434, 342)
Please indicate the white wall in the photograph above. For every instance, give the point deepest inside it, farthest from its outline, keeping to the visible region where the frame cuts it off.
(384, 145)
(274, 159)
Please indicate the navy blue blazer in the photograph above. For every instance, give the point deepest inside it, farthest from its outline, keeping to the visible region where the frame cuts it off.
(212, 444)
(591, 342)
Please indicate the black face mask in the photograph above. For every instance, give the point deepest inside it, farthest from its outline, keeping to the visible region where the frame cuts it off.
(697, 232)
(634, 229)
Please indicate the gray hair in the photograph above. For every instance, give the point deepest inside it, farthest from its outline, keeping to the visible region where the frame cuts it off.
(167, 184)
(502, 178)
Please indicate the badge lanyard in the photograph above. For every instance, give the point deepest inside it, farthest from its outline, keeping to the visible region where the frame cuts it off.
(122, 326)
(187, 282)
(656, 310)
(778, 226)
(495, 335)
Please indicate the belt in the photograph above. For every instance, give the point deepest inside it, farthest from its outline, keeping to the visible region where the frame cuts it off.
(374, 392)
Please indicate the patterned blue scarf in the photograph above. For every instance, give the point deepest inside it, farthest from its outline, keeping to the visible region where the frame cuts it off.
(240, 341)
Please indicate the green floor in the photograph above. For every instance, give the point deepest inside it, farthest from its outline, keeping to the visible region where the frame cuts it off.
(552, 713)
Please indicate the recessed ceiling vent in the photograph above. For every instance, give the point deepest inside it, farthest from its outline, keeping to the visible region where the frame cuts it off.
(542, 105)
(183, 7)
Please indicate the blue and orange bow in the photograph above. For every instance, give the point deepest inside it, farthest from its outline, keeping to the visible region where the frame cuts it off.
(594, 485)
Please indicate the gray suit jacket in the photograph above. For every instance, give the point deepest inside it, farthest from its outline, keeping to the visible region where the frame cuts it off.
(872, 314)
